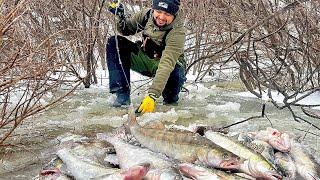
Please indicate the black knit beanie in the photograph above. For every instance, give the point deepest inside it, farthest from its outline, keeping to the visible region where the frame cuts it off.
(169, 6)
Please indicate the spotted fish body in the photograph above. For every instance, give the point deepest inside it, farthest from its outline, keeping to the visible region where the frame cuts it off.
(254, 164)
(265, 149)
(183, 146)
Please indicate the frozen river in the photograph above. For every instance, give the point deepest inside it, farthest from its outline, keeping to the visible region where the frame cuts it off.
(88, 112)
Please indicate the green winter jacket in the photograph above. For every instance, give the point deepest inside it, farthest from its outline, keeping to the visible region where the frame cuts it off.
(174, 44)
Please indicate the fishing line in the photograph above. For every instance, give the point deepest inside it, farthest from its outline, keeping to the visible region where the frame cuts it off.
(117, 45)
(118, 51)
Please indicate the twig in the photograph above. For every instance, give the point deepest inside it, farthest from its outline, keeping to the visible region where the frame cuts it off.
(307, 122)
(239, 122)
(311, 114)
(248, 31)
(307, 132)
(269, 120)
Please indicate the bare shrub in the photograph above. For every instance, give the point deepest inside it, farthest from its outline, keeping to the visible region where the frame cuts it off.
(29, 65)
(275, 44)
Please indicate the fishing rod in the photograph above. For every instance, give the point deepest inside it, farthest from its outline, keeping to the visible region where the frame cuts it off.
(115, 4)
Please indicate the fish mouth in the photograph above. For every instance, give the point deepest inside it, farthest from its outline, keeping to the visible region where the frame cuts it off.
(136, 172)
(230, 164)
(195, 171)
(271, 176)
(275, 177)
(146, 166)
(189, 171)
(282, 142)
(47, 172)
(281, 145)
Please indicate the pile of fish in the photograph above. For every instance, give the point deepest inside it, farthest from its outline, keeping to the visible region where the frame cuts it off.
(135, 152)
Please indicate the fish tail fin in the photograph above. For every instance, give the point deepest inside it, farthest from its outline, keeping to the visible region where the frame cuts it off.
(122, 131)
(125, 128)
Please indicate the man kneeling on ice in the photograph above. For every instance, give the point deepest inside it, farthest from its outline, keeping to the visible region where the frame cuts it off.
(160, 54)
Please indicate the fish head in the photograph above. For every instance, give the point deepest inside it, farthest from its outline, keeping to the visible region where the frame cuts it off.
(272, 132)
(136, 172)
(281, 143)
(267, 134)
(261, 169)
(195, 172)
(223, 159)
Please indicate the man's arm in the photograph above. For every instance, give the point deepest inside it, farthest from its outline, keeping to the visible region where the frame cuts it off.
(131, 25)
(174, 48)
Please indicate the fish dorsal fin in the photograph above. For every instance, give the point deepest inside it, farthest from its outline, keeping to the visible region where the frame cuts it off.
(235, 137)
(132, 119)
(176, 129)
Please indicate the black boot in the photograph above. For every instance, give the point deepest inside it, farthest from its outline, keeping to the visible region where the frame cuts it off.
(123, 99)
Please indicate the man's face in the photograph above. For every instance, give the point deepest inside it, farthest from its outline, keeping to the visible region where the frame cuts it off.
(162, 18)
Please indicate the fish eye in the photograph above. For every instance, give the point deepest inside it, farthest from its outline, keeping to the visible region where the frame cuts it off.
(225, 156)
(254, 146)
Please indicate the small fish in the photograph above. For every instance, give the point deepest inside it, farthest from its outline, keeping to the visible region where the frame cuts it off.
(83, 170)
(183, 146)
(306, 167)
(254, 164)
(94, 151)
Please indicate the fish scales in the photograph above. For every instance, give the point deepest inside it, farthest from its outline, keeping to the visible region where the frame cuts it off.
(130, 155)
(175, 144)
(175, 137)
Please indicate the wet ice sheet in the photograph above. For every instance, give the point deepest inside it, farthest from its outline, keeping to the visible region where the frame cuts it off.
(89, 111)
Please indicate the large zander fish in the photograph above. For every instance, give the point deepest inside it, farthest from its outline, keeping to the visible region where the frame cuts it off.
(183, 146)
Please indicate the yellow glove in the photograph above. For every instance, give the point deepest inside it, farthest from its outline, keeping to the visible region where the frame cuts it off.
(147, 105)
(114, 4)
(116, 8)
